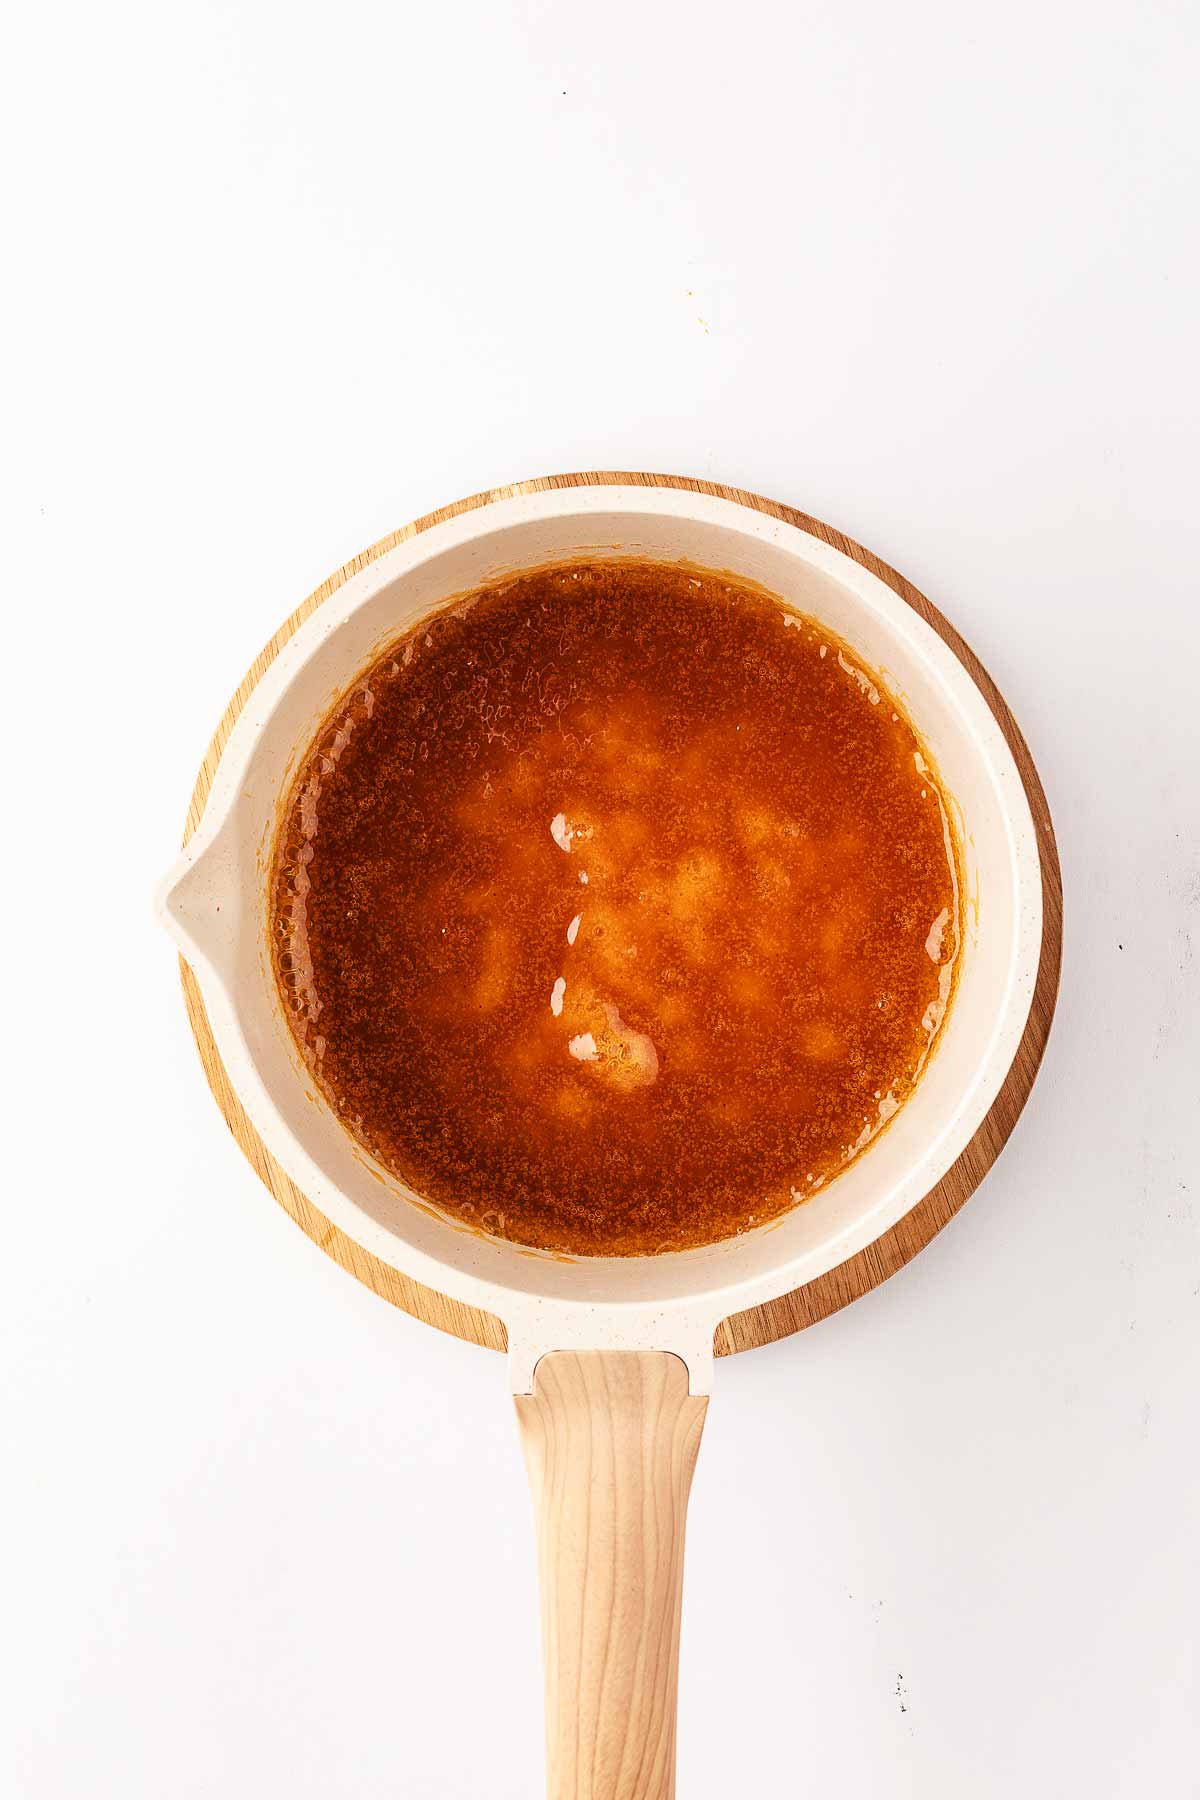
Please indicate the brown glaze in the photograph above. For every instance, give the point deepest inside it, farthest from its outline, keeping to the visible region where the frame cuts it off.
(616, 909)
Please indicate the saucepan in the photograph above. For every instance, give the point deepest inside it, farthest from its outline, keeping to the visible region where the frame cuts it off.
(611, 1359)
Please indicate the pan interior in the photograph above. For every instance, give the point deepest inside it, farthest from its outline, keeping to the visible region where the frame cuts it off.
(998, 957)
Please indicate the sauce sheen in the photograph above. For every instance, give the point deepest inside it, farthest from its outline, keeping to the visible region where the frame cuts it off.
(616, 909)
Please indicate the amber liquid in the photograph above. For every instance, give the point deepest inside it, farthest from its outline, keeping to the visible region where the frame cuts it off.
(616, 909)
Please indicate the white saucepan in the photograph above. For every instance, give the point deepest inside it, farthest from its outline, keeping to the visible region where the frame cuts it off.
(611, 1360)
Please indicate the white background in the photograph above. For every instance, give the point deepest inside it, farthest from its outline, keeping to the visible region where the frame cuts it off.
(283, 277)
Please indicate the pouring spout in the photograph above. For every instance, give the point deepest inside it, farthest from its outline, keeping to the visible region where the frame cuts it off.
(199, 902)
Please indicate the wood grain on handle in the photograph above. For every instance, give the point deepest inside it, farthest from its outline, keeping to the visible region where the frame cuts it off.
(610, 1441)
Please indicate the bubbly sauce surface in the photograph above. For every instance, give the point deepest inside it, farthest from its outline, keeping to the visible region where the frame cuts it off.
(616, 909)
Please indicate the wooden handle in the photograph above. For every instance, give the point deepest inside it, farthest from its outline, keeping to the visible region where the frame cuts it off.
(610, 1441)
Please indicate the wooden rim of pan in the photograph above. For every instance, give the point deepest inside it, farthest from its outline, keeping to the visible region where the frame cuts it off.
(861, 1273)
